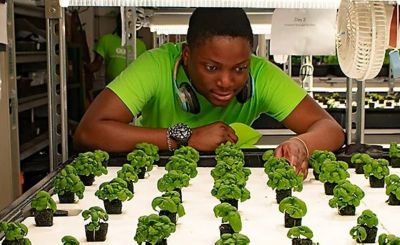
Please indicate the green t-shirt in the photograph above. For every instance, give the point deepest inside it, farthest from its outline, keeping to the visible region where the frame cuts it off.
(109, 47)
(146, 86)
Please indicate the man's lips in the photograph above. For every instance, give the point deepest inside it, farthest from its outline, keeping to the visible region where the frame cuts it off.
(222, 96)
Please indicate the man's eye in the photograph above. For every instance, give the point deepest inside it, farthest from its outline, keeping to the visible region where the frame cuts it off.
(241, 69)
(211, 67)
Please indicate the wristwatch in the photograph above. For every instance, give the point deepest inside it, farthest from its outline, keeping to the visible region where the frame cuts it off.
(180, 133)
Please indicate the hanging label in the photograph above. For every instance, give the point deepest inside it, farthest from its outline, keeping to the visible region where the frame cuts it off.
(303, 32)
(3, 23)
(395, 63)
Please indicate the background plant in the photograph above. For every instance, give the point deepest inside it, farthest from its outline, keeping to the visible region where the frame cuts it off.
(229, 214)
(235, 238)
(86, 165)
(169, 201)
(150, 149)
(393, 185)
(15, 231)
(366, 219)
(361, 158)
(318, 157)
(346, 194)
(285, 179)
(388, 239)
(394, 150)
(68, 181)
(173, 180)
(69, 240)
(229, 150)
(96, 215)
(188, 152)
(300, 232)
(334, 171)
(275, 163)
(43, 201)
(153, 229)
(293, 206)
(128, 173)
(182, 164)
(115, 189)
(379, 168)
(225, 189)
(139, 159)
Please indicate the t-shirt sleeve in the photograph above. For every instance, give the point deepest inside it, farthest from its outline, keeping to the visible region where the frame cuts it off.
(279, 93)
(137, 84)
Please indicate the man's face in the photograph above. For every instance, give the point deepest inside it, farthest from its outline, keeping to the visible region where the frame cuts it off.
(218, 67)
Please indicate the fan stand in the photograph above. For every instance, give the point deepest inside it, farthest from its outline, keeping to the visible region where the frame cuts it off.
(357, 117)
(306, 74)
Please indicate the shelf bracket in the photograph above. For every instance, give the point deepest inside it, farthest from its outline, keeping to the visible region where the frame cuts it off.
(356, 118)
(56, 68)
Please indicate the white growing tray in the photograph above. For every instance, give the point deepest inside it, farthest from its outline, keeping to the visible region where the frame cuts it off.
(261, 220)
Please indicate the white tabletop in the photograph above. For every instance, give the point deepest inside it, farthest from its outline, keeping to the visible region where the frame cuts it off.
(262, 221)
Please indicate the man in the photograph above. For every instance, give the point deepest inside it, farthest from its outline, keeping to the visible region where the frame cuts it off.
(108, 50)
(190, 93)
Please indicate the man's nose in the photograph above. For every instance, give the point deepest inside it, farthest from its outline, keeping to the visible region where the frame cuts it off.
(225, 80)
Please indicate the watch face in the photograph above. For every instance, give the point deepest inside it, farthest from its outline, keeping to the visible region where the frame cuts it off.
(181, 133)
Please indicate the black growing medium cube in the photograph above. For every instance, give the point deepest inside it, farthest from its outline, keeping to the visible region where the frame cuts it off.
(130, 186)
(232, 202)
(171, 216)
(67, 197)
(113, 207)
(225, 228)
(13, 242)
(162, 242)
(141, 172)
(329, 188)
(393, 201)
(301, 241)
(371, 235)
(282, 194)
(99, 236)
(291, 222)
(316, 175)
(395, 162)
(359, 167)
(348, 210)
(374, 182)
(87, 179)
(44, 217)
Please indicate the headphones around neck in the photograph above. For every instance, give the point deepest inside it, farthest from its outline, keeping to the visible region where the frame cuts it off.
(187, 96)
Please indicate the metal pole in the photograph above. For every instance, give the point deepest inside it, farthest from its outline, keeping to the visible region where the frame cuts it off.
(130, 33)
(57, 89)
(360, 116)
(349, 111)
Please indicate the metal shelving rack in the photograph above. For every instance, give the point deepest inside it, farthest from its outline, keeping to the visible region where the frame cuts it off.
(31, 102)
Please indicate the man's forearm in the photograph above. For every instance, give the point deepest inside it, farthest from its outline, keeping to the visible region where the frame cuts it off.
(324, 134)
(115, 136)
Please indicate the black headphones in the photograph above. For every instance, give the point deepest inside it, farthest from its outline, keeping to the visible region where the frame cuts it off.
(187, 96)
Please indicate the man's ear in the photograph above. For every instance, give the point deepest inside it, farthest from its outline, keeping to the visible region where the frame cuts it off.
(185, 54)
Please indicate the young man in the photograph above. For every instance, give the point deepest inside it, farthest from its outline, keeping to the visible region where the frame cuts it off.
(190, 93)
(108, 50)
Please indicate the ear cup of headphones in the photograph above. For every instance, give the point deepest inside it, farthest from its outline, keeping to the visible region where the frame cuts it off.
(190, 103)
(246, 92)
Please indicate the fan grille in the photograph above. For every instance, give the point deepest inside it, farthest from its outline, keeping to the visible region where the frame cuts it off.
(361, 38)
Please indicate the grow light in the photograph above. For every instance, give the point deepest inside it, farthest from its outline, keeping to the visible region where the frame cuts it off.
(182, 29)
(316, 4)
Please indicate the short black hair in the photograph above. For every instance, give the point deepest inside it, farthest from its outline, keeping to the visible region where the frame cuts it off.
(208, 22)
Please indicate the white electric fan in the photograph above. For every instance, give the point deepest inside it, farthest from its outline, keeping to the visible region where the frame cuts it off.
(362, 37)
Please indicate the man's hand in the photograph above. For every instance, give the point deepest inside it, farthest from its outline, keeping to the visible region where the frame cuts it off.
(209, 137)
(296, 153)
